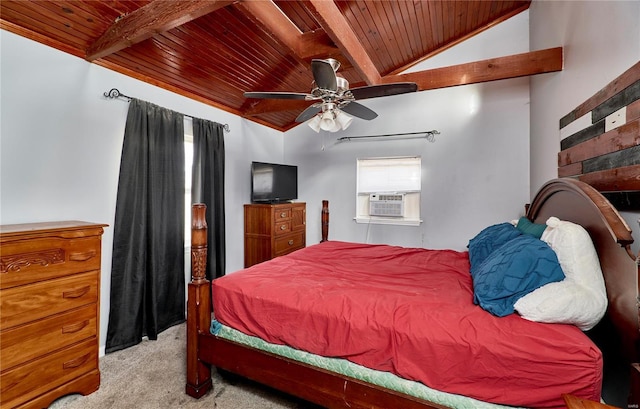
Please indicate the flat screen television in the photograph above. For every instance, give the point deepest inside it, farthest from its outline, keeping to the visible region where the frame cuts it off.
(273, 183)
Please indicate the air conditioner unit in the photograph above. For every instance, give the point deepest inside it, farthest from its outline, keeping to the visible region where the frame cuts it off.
(387, 205)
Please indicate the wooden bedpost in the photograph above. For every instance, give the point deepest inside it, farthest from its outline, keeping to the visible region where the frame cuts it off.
(325, 220)
(198, 305)
(634, 394)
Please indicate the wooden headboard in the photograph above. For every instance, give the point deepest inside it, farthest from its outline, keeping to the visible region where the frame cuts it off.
(600, 141)
(612, 238)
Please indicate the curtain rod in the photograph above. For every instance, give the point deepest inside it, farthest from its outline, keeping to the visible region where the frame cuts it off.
(114, 93)
(429, 135)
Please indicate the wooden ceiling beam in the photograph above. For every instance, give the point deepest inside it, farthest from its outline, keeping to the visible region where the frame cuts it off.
(513, 66)
(305, 46)
(317, 44)
(274, 21)
(148, 20)
(338, 29)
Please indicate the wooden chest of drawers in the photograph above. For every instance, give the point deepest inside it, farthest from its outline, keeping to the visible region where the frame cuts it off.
(49, 311)
(272, 230)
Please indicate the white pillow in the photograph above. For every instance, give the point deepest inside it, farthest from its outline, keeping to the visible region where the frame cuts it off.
(579, 299)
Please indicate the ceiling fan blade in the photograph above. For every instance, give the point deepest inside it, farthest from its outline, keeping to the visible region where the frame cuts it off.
(324, 74)
(359, 110)
(276, 95)
(383, 90)
(309, 113)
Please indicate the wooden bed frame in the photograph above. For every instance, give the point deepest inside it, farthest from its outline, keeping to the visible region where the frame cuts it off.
(566, 199)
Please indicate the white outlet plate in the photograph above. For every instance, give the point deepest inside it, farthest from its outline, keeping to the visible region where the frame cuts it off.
(616, 119)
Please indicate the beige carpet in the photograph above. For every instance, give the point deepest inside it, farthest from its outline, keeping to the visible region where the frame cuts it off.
(151, 375)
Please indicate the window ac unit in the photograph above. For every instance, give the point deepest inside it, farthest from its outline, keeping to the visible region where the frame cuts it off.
(387, 205)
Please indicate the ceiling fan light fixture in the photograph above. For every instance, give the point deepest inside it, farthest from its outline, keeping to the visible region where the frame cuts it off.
(328, 121)
(343, 119)
(336, 127)
(331, 120)
(314, 123)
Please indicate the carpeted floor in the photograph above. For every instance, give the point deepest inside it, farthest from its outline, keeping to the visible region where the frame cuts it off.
(151, 375)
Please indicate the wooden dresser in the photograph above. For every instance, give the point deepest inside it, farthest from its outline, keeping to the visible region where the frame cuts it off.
(272, 230)
(49, 311)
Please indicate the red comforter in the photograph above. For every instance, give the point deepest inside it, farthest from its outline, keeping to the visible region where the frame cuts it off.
(408, 311)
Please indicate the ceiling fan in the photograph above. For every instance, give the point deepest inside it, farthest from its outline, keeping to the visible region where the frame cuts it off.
(334, 97)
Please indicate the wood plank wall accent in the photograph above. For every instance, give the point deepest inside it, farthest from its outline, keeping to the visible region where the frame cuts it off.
(600, 141)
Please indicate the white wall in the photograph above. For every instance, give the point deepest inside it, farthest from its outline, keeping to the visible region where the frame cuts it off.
(61, 140)
(601, 40)
(483, 148)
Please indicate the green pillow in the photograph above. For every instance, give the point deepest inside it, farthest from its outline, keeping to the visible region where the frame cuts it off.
(528, 227)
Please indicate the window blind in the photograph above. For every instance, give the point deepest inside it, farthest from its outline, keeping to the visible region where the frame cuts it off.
(400, 174)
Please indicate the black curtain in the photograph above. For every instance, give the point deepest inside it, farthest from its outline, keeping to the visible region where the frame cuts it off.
(147, 273)
(207, 186)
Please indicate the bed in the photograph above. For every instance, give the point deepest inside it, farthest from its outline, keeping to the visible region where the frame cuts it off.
(252, 338)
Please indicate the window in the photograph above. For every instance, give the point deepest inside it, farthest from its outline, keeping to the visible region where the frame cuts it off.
(388, 190)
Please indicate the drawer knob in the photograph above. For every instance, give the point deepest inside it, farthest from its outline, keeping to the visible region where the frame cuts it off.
(71, 328)
(283, 227)
(291, 242)
(283, 214)
(76, 293)
(74, 363)
(82, 256)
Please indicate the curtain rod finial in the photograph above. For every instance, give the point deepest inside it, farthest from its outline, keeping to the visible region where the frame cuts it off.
(112, 93)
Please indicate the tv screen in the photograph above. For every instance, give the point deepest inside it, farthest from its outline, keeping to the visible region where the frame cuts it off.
(273, 183)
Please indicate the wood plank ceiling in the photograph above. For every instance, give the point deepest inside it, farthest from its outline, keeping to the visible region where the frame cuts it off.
(214, 51)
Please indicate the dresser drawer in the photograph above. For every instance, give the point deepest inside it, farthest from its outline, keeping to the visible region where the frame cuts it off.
(27, 261)
(281, 214)
(27, 342)
(32, 302)
(26, 382)
(289, 243)
(282, 227)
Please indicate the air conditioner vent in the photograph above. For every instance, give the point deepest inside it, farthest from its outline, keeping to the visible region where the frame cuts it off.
(386, 205)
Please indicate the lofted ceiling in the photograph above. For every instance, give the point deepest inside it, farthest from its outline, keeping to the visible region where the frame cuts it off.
(214, 51)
